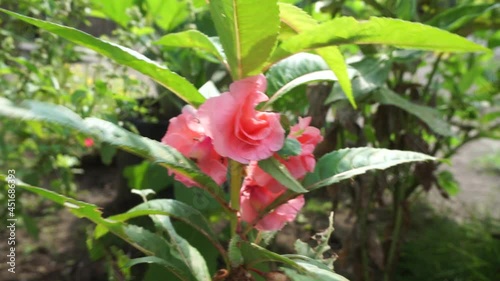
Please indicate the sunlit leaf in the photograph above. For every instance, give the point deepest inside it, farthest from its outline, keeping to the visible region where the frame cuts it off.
(386, 31)
(193, 39)
(300, 21)
(347, 163)
(248, 30)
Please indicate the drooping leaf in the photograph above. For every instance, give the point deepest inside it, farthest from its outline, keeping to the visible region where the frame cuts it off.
(193, 39)
(114, 135)
(314, 272)
(294, 71)
(187, 253)
(122, 55)
(456, 17)
(167, 14)
(291, 68)
(273, 167)
(248, 30)
(175, 209)
(428, 115)
(300, 21)
(254, 254)
(370, 73)
(143, 240)
(153, 150)
(347, 163)
(386, 31)
(163, 253)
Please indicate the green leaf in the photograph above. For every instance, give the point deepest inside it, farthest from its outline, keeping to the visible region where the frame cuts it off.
(167, 14)
(347, 163)
(278, 171)
(254, 254)
(248, 30)
(187, 253)
(33, 110)
(116, 136)
(193, 39)
(140, 238)
(292, 147)
(315, 272)
(300, 21)
(294, 71)
(456, 17)
(447, 182)
(153, 150)
(175, 209)
(386, 31)
(122, 55)
(370, 74)
(81, 210)
(163, 253)
(428, 115)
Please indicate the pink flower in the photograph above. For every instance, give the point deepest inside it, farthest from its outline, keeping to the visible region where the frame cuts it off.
(186, 134)
(255, 198)
(308, 137)
(239, 131)
(299, 165)
(88, 142)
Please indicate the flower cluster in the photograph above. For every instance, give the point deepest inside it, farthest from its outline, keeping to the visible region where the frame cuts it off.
(229, 126)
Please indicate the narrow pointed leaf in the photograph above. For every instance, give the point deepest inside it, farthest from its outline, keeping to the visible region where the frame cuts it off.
(248, 30)
(347, 163)
(145, 241)
(187, 253)
(254, 254)
(193, 39)
(386, 31)
(162, 252)
(300, 21)
(281, 174)
(175, 209)
(122, 55)
(430, 116)
(455, 18)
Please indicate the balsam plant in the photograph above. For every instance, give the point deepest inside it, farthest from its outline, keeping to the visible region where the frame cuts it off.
(235, 138)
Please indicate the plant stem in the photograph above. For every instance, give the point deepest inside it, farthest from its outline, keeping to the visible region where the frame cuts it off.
(235, 170)
(431, 76)
(399, 196)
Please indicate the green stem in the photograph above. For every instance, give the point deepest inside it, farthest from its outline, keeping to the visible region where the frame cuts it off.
(399, 196)
(235, 170)
(431, 75)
